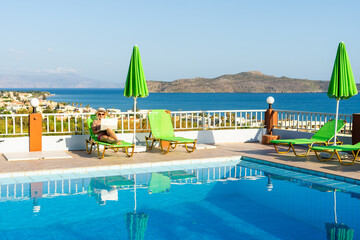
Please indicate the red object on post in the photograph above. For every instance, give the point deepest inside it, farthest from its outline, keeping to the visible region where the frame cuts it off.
(36, 190)
(165, 144)
(356, 128)
(271, 118)
(267, 138)
(35, 132)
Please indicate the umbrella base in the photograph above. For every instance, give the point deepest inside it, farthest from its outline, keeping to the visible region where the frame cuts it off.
(140, 149)
(326, 155)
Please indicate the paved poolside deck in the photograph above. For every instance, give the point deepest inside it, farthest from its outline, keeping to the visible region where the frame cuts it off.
(82, 162)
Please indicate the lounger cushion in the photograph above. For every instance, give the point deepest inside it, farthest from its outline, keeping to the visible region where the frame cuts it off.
(344, 148)
(295, 141)
(178, 139)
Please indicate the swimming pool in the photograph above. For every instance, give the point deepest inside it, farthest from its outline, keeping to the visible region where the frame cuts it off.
(228, 200)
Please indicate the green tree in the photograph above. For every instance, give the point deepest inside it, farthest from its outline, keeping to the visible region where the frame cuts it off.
(22, 111)
(48, 110)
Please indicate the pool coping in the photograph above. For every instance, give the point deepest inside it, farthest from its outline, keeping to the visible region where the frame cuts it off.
(83, 170)
(303, 170)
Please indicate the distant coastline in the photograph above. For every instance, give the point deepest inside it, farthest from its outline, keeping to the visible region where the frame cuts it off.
(18, 101)
(245, 82)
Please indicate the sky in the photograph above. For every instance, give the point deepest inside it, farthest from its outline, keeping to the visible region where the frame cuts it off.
(178, 39)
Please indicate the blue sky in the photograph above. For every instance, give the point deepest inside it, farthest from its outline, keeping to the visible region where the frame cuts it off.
(178, 39)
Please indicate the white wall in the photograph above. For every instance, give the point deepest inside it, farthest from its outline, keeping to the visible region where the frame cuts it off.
(77, 142)
(16, 144)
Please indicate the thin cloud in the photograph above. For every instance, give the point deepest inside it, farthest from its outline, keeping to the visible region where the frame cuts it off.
(51, 50)
(16, 55)
(15, 51)
(59, 70)
(107, 63)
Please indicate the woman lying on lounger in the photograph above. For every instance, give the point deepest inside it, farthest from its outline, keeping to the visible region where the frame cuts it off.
(107, 135)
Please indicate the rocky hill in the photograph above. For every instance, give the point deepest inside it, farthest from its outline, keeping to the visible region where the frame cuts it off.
(251, 82)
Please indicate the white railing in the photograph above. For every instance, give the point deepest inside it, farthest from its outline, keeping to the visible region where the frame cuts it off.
(75, 123)
(310, 121)
(14, 124)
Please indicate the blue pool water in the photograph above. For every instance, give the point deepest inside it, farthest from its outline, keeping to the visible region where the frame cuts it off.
(233, 200)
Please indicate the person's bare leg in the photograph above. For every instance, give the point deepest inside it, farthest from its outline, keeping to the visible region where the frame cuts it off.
(111, 134)
(108, 139)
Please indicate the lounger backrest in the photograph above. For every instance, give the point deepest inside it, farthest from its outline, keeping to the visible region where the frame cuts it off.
(160, 124)
(327, 131)
(89, 123)
(159, 182)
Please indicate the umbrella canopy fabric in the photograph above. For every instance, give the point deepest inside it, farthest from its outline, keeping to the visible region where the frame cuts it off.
(135, 85)
(136, 224)
(342, 84)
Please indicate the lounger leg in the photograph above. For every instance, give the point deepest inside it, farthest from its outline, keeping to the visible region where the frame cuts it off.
(103, 155)
(190, 151)
(152, 143)
(324, 159)
(127, 151)
(162, 149)
(147, 145)
(89, 149)
(277, 150)
(349, 163)
(98, 150)
(302, 155)
(173, 147)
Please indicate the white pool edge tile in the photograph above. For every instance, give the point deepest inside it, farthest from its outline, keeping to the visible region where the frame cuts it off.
(117, 167)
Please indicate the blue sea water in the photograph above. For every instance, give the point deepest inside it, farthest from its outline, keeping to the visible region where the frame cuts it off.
(114, 98)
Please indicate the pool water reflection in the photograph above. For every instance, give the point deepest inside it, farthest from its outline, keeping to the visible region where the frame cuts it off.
(223, 201)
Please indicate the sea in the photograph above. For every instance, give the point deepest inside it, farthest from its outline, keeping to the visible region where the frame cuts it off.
(114, 98)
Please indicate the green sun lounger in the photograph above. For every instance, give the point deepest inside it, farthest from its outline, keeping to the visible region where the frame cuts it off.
(162, 130)
(93, 141)
(334, 150)
(321, 137)
(181, 175)
(159, 182)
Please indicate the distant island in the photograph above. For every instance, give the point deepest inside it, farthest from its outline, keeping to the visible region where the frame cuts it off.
(245, 82)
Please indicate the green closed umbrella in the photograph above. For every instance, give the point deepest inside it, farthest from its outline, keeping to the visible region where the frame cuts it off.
(135, 85)
(342, 83)
(136, 223)
(338, 231)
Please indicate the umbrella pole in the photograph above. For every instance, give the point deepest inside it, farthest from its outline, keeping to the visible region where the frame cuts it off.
(335, 206)
(134, 140)
(135, 192)
(336, 119)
